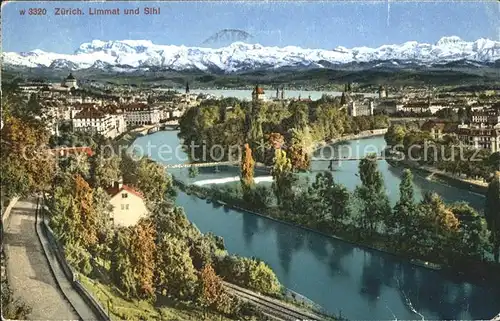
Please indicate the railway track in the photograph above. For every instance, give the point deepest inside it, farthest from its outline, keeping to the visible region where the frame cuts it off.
(272, 308)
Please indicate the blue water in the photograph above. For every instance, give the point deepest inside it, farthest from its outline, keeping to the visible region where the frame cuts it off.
(361, 283)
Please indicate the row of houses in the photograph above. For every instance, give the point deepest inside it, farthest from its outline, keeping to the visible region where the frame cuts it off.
(109, 120)
(483, 132)
(419, 106)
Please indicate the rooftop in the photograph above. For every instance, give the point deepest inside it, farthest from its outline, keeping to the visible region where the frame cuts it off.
(114, 190)
(90, 113)
(258, 90)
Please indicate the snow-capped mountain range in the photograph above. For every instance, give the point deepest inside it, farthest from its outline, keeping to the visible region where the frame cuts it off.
(123, 55)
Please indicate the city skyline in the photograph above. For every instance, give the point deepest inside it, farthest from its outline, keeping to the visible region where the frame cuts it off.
(336, 23)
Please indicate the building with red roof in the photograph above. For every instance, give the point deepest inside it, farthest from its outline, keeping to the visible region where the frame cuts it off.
(258, 94)
(129, 205)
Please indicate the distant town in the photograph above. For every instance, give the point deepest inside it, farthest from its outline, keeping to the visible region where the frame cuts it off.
(109, 110)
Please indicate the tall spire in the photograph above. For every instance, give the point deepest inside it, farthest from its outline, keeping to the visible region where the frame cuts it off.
(187, 87)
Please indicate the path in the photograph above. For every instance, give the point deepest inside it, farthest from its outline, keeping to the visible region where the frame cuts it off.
(32, 275)
(29, 274)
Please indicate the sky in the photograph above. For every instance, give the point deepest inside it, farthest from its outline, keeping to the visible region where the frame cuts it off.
(314, 24)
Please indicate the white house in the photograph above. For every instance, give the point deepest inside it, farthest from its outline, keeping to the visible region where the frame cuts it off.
(489, 116)
(90, 119)
(141, 114)
(480, 137)
(128, 205)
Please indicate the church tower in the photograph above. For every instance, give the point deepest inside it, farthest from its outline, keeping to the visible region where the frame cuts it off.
(187, 87)
(382, 93)
(351, 109)
(258, 94)
(70, 82)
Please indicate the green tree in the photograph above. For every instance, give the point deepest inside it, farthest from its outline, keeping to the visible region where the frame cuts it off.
(149, 177)
(438, 227)
(333, 198)
(473, 230)
(76, 164)
(202, 250)
(172, 220)
(283, 178)
(300, 115)
(105, 232)
(121, 268)
(153, 181)
(75, 220)
(402, 222)
(395, 135)
(375, 207)
(492, 213)
(193, 171)
(176, 275)
(262, 278)
(105, 170)
(300, 149)
(250, 273)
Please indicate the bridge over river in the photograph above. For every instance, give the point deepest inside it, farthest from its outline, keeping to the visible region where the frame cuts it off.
(229, 163)
(168, 125)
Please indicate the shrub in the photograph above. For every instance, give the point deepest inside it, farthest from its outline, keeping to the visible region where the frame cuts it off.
(251, 273)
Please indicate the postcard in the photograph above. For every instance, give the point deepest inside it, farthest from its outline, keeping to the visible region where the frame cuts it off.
(250, 160)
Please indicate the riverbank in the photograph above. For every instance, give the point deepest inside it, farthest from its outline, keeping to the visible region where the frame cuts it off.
(336, 274)
(360, 135)
(287, 296)
(125, 140)
(471, 270)
(472, 185)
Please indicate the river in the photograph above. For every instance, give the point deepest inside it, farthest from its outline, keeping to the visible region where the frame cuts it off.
(360, 283)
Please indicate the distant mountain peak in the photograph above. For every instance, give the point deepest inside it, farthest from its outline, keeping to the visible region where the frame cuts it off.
(96, 45)
(242, 56)
(450, 40)
(228, 36)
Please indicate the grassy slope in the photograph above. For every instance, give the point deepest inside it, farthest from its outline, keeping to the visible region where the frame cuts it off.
(122, 309)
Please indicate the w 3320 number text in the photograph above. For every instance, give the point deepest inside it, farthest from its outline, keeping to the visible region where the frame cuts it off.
(37, 11)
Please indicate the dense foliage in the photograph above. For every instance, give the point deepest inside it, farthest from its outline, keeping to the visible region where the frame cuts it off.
(452, 234)
(231, 124)
(27, 164)
(162, 255)
(492, 213)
